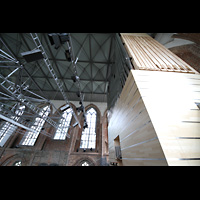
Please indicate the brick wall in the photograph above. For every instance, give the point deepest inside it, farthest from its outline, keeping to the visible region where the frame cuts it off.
(190, 54)
(47, 151)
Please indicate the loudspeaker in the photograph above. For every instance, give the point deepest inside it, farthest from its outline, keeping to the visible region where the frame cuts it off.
(33, 55)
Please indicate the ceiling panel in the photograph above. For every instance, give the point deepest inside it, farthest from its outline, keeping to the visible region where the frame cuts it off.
(94, 55)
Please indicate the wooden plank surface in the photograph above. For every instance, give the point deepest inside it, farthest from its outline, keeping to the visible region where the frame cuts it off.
(148, 54)
(157, 119)
(170, 101)
(130, 120)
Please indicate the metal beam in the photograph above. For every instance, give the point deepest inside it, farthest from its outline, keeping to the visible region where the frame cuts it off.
(84, 61)
(109, 60)
(12, 53)
(69, 79)
(54, 60)
(16, 123)
(72, 92)
(52, 71)
(36, 61)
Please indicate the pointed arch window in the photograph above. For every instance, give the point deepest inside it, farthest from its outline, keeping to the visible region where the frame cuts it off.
(30, 137)
(7, 128)
(88, 137)
(64, 124)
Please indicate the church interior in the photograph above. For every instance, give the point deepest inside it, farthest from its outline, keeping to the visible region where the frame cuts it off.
(99, 99)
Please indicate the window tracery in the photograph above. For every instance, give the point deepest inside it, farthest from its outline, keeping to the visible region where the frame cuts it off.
(63, 127)
(88, 137)
(8, 128)
(30, 137)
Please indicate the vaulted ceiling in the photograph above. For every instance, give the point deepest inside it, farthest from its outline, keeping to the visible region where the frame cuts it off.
(95, 53)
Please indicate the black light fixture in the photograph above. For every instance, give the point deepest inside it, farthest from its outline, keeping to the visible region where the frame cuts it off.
(33, 55)
(85, 125)
(78, 93)
(58, 39)
(64, 37)
(68, 55)
(84, 117)
(75, 78)
(54, 39)
(79, 109)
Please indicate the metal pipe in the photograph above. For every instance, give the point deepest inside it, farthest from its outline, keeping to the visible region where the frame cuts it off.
(16, 123)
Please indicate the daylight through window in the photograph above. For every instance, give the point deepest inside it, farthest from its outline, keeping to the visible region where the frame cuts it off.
(30, 137)
(63, 127)
(88, 138)
(8, 128)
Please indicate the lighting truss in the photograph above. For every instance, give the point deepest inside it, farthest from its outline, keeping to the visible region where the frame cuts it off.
(52, 71)
(15, 94)
(74, 61)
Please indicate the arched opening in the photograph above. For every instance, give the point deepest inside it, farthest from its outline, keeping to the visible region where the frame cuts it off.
(30, 137)
(64, 124)
(88, 137)
(7, 128)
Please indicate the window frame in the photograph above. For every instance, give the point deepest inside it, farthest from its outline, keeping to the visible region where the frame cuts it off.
(29, 138)
(87, 132)
(7, 128)
(67, 122)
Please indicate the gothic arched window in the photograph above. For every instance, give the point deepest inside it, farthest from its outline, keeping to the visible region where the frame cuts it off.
(30, 137)
(7, 129)
(88, 137)
(64, 123)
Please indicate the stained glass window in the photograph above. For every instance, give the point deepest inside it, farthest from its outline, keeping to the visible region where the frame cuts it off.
(88, 137)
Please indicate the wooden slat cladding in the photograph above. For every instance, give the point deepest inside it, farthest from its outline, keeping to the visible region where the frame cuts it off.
(131, 122)
(157, 119)
(148, 54)
(170, 99)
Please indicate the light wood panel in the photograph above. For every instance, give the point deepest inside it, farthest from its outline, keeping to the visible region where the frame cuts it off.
(148, 54)
(131, 122)
(156, 117)
(157, 120)
(170, 101)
